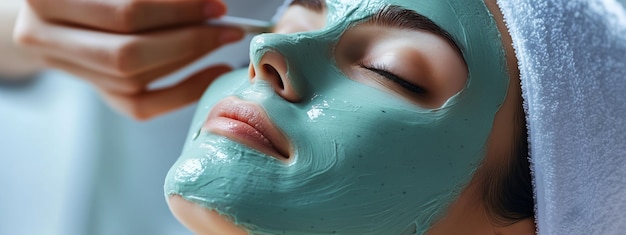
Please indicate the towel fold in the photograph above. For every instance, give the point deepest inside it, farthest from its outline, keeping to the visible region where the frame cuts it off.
(572, 59)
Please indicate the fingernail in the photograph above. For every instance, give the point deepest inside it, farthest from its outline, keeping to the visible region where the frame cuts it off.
(230, 35)
(213, 9)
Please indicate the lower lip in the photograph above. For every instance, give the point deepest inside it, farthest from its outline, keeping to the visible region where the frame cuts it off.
(241, 132)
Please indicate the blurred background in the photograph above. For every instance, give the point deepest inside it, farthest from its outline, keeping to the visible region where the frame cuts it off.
(70, 165)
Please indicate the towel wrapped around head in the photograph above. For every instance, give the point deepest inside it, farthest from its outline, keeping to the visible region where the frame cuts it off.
(572, 60)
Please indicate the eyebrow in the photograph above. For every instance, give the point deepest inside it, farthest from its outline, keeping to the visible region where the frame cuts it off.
(393, 16)
(398, 17)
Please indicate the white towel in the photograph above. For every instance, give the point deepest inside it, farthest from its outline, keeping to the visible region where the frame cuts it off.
(572, 59)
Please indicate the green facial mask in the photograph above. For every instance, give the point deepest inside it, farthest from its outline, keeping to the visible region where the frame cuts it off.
(365, 161)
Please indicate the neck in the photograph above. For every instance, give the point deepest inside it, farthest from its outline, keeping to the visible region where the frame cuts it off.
(468, 216)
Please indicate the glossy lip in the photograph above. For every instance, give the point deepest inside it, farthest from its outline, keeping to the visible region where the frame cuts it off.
(247, 123)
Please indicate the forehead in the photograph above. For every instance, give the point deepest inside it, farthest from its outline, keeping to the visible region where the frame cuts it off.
(443, 13)
(433, 9)
(469, 23)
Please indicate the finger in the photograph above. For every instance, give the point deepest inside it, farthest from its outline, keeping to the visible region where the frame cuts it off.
(151, 50)
(122, 85)
(122, 55)
(149, 104)
(125, 16)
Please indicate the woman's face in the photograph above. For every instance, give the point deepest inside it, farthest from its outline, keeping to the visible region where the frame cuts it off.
(373, 122)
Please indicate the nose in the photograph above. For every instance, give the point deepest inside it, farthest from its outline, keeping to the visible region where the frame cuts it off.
(272, 68)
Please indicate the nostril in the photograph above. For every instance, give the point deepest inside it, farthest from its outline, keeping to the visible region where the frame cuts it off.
(273, 69)
(273, 73)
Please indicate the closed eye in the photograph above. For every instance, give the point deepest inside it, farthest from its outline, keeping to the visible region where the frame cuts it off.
(396, 79)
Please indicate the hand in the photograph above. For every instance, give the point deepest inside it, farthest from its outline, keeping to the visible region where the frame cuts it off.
(122, 46)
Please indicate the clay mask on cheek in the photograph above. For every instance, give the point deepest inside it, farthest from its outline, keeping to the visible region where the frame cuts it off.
(364, 161)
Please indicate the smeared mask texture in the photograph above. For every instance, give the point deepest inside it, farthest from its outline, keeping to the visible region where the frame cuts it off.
(365, 161)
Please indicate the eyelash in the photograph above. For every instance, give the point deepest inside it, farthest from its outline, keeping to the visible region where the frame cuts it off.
(383, 72)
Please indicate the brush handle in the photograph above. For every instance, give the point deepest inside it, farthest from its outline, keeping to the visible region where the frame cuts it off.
(248, 25)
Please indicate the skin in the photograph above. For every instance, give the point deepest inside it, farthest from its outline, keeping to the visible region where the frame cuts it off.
(14, 62)
(118, 46)
(467, 215)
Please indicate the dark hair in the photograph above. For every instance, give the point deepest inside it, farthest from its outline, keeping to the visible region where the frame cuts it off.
(507, 192)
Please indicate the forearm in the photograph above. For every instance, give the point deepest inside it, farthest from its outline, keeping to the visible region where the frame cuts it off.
(14, 61)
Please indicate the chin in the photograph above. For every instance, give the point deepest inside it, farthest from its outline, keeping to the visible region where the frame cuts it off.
(200, 220)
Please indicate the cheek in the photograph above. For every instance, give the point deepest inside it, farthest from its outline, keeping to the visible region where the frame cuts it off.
(353, 119)
(357, 123)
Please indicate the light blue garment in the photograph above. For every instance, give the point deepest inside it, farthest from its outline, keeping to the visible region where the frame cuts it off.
(40, 125)
(71, 166)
